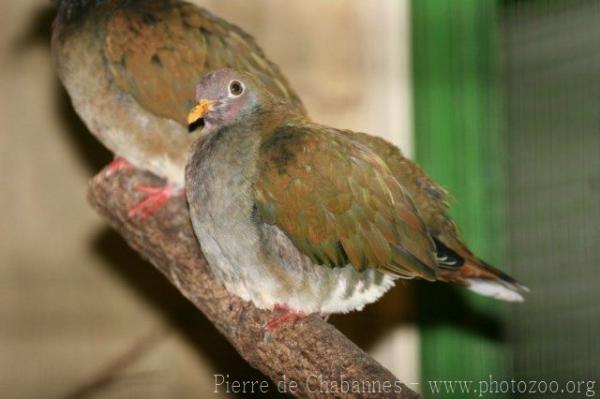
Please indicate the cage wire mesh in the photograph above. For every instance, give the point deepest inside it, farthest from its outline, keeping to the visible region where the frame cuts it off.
(551, 52)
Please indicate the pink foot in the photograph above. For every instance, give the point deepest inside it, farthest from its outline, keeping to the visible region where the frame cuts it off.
(156, 198)
(288, 316)
(116, 165)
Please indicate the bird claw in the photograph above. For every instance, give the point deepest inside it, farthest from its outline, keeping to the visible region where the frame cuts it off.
(156, 198)
(117, 165)
(288, 316)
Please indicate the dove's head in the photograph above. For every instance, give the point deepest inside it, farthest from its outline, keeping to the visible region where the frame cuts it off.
(226, 97)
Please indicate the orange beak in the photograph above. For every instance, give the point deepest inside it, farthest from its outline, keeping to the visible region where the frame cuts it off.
(200, 110)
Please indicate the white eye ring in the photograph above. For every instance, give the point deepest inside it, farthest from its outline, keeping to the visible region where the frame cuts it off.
(236, 88)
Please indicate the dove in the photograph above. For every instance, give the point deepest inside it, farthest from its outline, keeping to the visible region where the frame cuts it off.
(305, 218)
(130, 68)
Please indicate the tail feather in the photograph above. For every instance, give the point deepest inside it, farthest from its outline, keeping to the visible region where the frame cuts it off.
(498, 289)
(485, 280)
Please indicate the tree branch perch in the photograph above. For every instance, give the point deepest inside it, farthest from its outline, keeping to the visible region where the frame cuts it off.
(309, 352)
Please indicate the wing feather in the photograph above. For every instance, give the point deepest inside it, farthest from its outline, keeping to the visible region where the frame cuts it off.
(432, 199)
(157, 51)
(339, 203)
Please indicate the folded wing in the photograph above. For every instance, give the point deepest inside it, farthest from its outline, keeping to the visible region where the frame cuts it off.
(340, 204)
(157, 52)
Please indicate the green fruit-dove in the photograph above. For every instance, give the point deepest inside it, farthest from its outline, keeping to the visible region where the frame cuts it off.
(130, 68)
(293, 214)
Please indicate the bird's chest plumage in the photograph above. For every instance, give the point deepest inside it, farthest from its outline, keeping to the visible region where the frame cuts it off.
(256, 261)
(219, 183)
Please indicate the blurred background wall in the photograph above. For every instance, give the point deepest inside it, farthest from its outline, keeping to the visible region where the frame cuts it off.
(76, 304)
(507, 95)
(458, 135)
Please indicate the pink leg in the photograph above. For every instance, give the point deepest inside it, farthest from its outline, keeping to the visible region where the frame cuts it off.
(116, 165)
(156, 198)
(288, 316)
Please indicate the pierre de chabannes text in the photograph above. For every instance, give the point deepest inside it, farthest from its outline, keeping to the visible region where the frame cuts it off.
(314, 383)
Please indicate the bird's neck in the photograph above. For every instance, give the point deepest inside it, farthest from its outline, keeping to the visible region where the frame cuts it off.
(224, 166)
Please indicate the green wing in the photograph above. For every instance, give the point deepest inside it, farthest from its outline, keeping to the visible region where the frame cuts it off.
(339, 203)
(159, 50)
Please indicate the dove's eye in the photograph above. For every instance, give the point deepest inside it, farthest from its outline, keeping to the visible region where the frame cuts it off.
(236, 88)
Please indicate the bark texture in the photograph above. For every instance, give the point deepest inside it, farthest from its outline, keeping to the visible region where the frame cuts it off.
(307, 359)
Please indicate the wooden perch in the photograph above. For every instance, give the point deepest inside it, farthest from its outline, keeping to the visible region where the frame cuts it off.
(307, 359)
